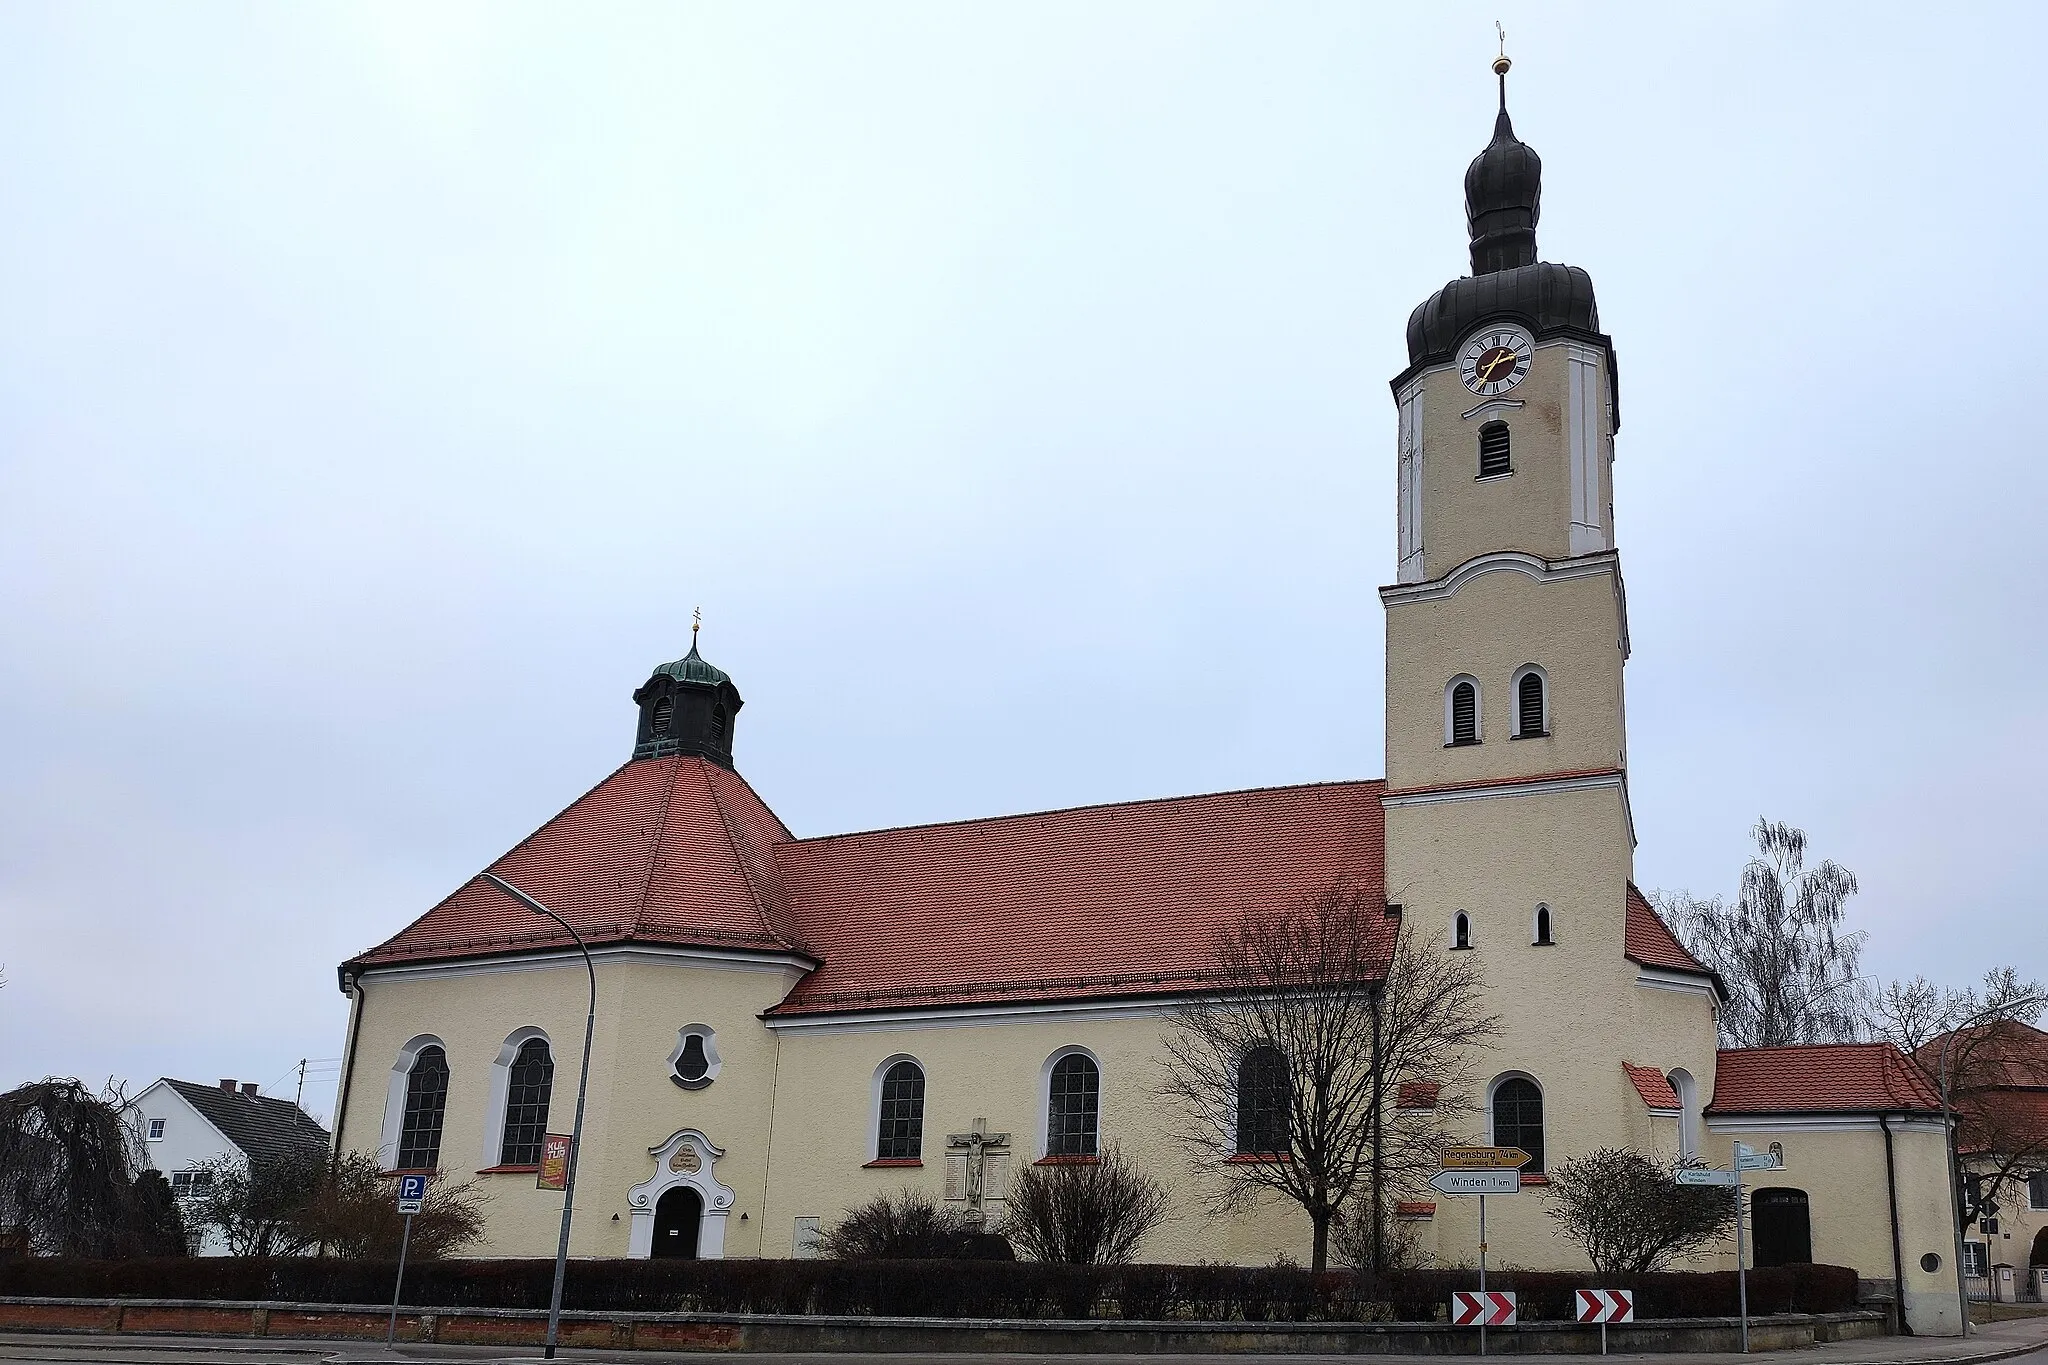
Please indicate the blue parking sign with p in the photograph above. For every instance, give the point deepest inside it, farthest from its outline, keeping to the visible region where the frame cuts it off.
(412, 1189)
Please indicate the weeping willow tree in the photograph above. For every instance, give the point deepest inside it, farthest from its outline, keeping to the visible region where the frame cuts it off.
(72, 1179)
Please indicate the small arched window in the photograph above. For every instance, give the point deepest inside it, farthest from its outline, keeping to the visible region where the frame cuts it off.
(1265, 1100)
(1518, 1118)
(1461, 930)
(426, 1104)
(1073, 1104)
(1532, 713)
(900, 1132)
(531, 1084)
(1493, 451)
(1688, 1113)
(1461, 712)
(1542, 938)
(664, 712)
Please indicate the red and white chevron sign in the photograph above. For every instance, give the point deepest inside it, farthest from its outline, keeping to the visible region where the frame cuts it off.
(1607, 1305)
(1491, 1309)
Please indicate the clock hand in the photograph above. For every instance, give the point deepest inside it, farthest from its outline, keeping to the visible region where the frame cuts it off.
(1493, 366)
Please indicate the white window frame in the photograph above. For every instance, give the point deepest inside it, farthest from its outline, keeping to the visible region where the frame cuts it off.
(1045, 1097)
(1515, 701)
(501, 1091)
(1470, 940)
(1688, 1092)
(1478, 709)
(394, 1098)
(156, 1131)
(1976, 1260)
(875, 1100)
(1541, 1093)
(1536, 938)
(712, 1061)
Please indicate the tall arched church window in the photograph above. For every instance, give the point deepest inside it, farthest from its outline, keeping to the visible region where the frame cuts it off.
(1461, 930)
(426, 1104)
(1493, 451)
(1518, 1118)
(532, 1082)
(900, 1132)
(1461, 711)
(1265, 1100)
(1532, 709)
(1073, 1106)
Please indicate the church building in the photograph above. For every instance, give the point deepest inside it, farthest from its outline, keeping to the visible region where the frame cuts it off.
(787, 1027)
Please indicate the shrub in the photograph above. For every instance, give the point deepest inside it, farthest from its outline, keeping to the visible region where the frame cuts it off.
(910, 1226)
(1085, 1213)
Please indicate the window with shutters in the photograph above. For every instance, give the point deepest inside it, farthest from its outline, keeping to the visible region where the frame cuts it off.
(900, 1130)
(664, 712)
(1532, 703)
(720, 723)
(426, 1104)
(1265, 1100)
(1461, 930)
(1461, 711)
(1073, 1102)
(1518, 1118)
(1493, 451)
(532, 1082)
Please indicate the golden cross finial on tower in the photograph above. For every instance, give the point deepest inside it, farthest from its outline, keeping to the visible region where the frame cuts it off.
(696, 624)
(1501, 65)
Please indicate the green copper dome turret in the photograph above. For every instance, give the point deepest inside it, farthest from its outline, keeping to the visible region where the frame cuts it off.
(687, 707)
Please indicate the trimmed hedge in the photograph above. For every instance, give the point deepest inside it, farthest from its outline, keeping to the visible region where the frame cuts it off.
(938, 1289)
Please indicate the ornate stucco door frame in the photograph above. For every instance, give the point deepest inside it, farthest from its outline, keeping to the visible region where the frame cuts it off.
(686, 1158)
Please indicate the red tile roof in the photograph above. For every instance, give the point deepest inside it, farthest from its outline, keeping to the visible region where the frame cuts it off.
(1415, 1208)
(1650, 942)
(1095, 901)
(1818, 1078)
(1651, 1084)
(1417, 1094)
(665, 850)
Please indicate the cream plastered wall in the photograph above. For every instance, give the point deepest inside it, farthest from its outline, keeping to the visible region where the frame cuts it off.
(1530, 509)
(995, 1069)
(1492, 626)
(2019, 1223)
(633, 1105)
(1839, 1161)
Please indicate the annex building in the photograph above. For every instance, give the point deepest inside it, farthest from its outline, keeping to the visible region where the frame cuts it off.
(787, 1027)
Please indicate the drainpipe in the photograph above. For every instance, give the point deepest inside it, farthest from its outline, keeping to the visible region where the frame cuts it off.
(1891, 1190)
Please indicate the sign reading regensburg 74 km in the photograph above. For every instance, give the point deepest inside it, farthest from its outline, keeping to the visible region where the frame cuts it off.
(1485, 1158)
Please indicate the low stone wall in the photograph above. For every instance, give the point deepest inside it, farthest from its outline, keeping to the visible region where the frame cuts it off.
(714, 1332)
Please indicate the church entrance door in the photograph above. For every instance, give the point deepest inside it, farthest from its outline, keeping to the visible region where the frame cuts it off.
(1783, 1234)
(676, 1219)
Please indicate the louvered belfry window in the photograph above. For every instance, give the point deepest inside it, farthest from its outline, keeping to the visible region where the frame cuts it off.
(1070, 1120)
(1493, 450)
(1529, 701)
(901, 1135)
(426, 1103)
(1464, 714)
(664, 712)
(526, 1104)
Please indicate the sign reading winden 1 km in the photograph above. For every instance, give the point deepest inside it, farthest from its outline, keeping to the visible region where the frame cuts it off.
(1477, 1182)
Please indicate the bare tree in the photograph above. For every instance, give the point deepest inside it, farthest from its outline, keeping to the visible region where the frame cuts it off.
(1979, 1051)
(1791, 973)
(353, 1212)
(1084, 1213)
(259, 1204)
(910, 1226)
(1630, 1215)
(69, 1175)
(1286, 1077)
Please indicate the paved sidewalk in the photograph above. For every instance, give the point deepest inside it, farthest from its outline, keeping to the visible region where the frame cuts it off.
(1990, 1341)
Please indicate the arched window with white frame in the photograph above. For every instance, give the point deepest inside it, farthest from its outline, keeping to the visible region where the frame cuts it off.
(1541, 931)
(423, 1108)
(1531, 690)
(1073, 1104)
(1461, 710)
(899, 1110)
(522, 1087)
(1683, 1085)
(1515, 1107)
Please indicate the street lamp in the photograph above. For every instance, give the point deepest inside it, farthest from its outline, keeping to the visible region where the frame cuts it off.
(576, 1134)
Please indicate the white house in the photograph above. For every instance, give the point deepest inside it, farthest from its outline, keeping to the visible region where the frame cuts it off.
(185, 1127)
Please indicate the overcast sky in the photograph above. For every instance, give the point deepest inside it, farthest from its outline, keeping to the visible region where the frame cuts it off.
(382, 385)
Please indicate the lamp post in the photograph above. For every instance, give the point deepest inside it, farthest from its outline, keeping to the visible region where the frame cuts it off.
(576, 1134)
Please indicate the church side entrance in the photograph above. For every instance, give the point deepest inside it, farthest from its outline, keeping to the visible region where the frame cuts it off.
(677, 1215)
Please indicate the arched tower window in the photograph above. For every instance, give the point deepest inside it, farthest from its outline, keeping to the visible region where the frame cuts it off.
(426, 1104)
(900, 1131)
(1265, 1100)
(1461, 930)
(1542, 938)
(664, 712)
(532, 1082)
(1532, 703)
(1073, 1106)
(1461, 711)
(1518, 1118)
(1688, 1113)
(1493, 451)
(720, 722)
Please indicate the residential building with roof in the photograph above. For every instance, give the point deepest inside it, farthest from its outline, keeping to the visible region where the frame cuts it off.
(1997, 1076)
(187, 1128)
(788, 1027)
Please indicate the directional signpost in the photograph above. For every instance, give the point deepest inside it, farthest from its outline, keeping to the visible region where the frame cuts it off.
(1481, 1171)
(1698, 1177)
(1604, 1306)
(412, 1193)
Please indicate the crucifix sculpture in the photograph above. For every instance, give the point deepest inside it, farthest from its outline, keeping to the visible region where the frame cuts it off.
(973, 1151)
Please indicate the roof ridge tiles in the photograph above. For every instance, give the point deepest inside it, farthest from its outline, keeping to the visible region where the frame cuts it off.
(774, 930)
(814, 839)
(657, 836)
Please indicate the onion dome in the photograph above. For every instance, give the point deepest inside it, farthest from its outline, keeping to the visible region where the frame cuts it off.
(687, 707)
(1503, 198)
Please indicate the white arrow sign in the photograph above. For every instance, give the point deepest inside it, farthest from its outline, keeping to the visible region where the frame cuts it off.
(1477, 1182)
(1690, 1177)
(1758, 1161)
(1607, 1305)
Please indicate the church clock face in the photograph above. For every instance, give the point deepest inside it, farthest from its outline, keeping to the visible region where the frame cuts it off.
(1495, 360)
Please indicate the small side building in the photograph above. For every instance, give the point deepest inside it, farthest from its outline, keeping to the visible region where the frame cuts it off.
(187, 1127)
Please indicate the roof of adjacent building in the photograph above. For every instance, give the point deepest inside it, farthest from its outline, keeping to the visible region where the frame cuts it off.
(1998, 1084)
(257, 1124)
(1652, 1085)
(1650, 942)
(1819, 1078)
